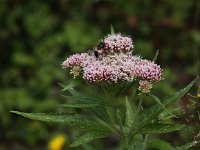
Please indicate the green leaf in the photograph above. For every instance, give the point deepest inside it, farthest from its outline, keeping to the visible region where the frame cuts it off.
(188, 145)
(92, 135)
(164, 115)
(80, 105)
(136, 116)
(157, 128)
(71, 85)
(129, 114)
(101, 113)
(153, 112)
(97, 111)
(161, 145)
(89, 147)
(74, 92)
(80, 98)
(121, 87)
(69, 119)
(136, 142)
(159, 102)
(112, 29)
(137, 145)
(156, 56)
(83, 101)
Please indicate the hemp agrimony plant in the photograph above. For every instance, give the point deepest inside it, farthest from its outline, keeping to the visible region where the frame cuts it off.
(117, 82)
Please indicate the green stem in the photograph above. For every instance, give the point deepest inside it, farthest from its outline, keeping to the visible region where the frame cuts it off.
(145, 142)
(123, 137)
(131, 134)
(124, 141)
(111, 121)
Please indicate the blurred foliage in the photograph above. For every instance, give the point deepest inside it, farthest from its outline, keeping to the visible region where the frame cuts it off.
(36, 36)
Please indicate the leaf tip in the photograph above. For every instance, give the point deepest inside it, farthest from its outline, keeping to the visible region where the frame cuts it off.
(156, 55)
(14, 112)
(112, 29)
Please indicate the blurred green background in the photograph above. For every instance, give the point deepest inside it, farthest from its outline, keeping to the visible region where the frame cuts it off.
(37, 35)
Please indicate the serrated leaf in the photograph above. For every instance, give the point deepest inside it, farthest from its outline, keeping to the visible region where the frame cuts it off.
(160, 144)
(164, 115)
(92, 135)
(80, 105)
(112, 31)
(69, 119)
(97, 111)
(157, 128)
(153, 112)
(187, 146)
(129, 114)
(83, 99)
(160, 103)
(101, 113)
(83, 102)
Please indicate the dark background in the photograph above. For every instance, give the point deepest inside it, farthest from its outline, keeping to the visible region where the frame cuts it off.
(37, 35)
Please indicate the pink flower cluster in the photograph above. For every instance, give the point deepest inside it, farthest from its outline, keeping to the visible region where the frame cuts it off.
(74, 60)
(117, 43)
(115, 67)
(112, 68)
(148, 70)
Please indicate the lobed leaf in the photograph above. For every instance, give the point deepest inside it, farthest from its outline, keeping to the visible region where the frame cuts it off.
(92, 135)
(69, 119)
(157, 128)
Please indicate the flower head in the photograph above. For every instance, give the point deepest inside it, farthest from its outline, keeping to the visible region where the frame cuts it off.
(145, 86)
(57, 143)
(117, 43)
(148, 70)
(74, 60)
(116, 64)
(112, 68)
